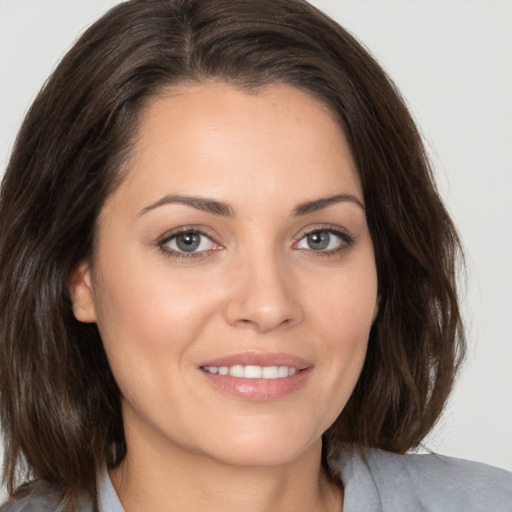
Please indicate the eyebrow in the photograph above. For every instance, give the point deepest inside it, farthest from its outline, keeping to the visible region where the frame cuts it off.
(219, 208)
(324, 202)
(199, 203)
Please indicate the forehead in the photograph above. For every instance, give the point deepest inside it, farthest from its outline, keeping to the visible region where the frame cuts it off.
(215, 140)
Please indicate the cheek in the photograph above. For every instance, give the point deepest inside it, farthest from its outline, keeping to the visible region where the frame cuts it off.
(346, 304)
(147, 303)
(148, 322)
(343, 314)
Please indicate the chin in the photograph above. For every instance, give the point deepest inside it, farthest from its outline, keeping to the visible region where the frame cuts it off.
(264, 449)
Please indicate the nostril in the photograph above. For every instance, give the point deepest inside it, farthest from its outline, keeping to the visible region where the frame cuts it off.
(262, 324)
(244, 322)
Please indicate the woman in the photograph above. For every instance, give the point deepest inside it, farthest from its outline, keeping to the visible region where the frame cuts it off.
(240, 277)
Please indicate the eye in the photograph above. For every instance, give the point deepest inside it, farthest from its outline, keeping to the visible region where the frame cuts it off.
(187, 243)
(325, 240)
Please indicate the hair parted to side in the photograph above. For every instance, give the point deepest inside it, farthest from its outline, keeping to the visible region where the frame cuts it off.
(60, 405)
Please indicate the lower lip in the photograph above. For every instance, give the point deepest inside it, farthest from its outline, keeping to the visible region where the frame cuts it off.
(259, 389)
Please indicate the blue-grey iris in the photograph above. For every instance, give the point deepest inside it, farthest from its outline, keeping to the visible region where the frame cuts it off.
(188, 242)
(319, 240)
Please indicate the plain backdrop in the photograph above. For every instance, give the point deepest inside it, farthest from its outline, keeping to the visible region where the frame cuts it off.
(452, 60)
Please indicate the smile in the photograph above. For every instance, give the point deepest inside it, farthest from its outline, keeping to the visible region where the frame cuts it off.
(252, 371)
(257, 376)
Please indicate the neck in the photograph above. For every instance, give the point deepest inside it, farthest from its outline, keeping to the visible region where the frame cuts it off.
(185, 481)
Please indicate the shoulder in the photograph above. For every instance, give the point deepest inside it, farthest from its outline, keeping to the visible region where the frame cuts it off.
(442, 482)
(432, 483)
(39, 496)
(34, 496)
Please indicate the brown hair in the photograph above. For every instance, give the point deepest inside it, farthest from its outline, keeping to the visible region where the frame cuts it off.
(60, 405)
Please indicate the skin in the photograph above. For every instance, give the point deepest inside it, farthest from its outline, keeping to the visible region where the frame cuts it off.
(255, 285)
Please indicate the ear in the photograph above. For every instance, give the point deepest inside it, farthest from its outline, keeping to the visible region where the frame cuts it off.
(81, 293)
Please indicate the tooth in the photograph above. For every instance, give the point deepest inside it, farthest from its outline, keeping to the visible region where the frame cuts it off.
(282, 371)
(252, 372)
(236, 371)
(269, 372)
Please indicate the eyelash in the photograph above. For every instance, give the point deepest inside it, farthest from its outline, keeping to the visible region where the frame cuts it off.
(346, 243)
(346, 240)
(178, 255)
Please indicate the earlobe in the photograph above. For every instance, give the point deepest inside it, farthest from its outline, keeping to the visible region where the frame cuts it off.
(81, 293)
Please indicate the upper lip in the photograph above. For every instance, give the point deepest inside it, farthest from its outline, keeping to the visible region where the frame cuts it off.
(259, 359)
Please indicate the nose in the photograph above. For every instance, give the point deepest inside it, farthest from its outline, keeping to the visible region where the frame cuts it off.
(262, 295)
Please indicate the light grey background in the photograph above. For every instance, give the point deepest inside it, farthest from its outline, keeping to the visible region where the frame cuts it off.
(452, 59)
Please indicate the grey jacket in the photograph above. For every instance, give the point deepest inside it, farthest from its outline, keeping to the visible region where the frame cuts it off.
(384, 482)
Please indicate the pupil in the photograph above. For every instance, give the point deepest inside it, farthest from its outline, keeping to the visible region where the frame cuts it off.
(188, 242)
(319, 240)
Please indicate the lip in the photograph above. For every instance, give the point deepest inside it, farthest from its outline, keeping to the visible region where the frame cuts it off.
(260, 390)
(259, 359)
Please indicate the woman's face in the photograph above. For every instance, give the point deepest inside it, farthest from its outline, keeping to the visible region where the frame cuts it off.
(233, 281)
